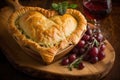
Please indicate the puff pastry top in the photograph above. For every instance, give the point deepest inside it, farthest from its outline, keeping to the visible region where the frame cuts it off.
(45, 31)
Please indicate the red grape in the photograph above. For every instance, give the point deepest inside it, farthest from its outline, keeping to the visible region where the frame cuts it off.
(102, 47)
(75, 50)
(89, 32)
(95, 35)
(72, 57)
(81, 43)
(86, 57)
(99, 37)
(101, 55)
(81, 50)
(85, 37)
(93, 60)
(65, 61)
(81, 66)
(93, 52)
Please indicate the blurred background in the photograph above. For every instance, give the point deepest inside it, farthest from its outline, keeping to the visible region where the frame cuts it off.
(7, 70)
(3, 2)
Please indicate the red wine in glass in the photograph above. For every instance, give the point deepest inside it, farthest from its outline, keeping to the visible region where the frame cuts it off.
(97, 9)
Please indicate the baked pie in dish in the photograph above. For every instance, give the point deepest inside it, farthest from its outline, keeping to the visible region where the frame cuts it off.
(46, 32)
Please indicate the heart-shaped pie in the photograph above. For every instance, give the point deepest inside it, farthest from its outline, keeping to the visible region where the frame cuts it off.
(46, 32)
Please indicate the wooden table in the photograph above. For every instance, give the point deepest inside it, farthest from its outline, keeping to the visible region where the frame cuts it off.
(110, 28)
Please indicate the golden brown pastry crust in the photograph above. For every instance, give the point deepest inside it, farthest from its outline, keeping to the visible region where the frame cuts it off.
(47, 53)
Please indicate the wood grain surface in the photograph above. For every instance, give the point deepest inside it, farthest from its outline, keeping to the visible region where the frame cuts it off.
(109, 27)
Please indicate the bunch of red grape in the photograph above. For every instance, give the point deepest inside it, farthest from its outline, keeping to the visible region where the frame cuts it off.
(90, 48)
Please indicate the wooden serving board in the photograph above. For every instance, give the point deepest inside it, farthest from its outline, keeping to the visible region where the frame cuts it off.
(21, 61)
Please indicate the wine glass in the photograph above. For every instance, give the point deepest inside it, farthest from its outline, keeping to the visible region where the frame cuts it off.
(97, 10)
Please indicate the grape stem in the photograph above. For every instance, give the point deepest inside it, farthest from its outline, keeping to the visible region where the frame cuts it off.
(97, 23)
(80, 59)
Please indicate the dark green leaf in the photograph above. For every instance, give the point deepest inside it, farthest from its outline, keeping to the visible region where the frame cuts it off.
(96, 43)
(65, 3)
(72, 6)
(76, 65)
(62, 7)
(55, 6)
(60, 10)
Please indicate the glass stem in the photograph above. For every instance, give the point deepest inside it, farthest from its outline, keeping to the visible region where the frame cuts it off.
(97, 23)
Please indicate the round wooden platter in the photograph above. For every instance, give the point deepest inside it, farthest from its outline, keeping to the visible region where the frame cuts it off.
(21, 61)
